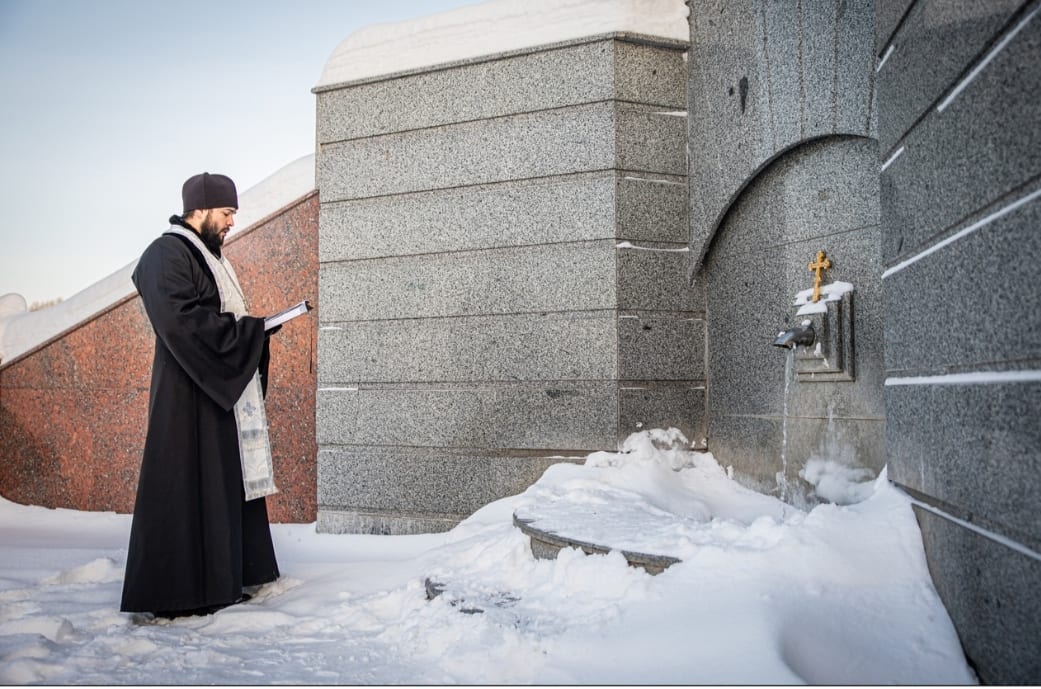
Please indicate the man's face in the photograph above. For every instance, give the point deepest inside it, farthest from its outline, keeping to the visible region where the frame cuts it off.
(215, 225)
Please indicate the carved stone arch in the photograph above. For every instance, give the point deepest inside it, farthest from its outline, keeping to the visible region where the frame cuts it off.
(704, 246)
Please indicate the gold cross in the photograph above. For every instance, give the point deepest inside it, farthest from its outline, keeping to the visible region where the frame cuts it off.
(817, 266)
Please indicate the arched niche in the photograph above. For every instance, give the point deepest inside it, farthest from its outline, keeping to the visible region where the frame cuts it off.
(819, 195)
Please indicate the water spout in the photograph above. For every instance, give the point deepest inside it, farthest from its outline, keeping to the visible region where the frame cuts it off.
(801, 335)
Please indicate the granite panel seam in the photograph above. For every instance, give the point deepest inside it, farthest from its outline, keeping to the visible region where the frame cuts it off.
(969, 224)
(763, 248)
(622, 173)
(646, 313)
(645, 245)
(461, 452)
(646, 108)
(932, 505)
(473, 385)
(774, 417)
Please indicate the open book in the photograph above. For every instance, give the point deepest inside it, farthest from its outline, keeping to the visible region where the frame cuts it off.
(287, 314)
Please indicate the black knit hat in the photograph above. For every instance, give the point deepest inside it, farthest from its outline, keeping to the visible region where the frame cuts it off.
(209, 191)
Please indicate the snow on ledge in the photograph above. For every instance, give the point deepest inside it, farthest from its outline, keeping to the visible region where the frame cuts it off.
(22, 330)
(492, 27)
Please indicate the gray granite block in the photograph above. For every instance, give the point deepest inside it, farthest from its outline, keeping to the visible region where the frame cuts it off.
(588, 345)
(651, 208)
(660, 346)
(982, 147)
(769, 452)
(782, 38)
(580, 138)
(651, 139)
(654, 278)
(335, 521)
(750, 444)
(423, 482)
(655, 404)
(937, 44)
(534, 415)
(855, 89)
(654, 74)
(971, 303)
(574, 139)
(818, 20)
(978, 454)
(583, 71)
(554, 346)
(588, 206)
(561, 277)
(990, 592)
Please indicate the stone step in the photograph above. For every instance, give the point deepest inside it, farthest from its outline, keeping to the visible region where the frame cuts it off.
(546, 544)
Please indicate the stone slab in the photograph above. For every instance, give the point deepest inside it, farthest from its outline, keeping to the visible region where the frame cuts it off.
(983, 147)
(936, 46)
(768, 452)
(654, 278)
(990, 592)
(586, 345)
(336, 521)
(577, 276)
(970, 304)
(580, 207)
(424, 483)
(533, 415)
(658, 404)
(552, 346)
(853, 101)
(598, 136)
(660, 346)
(546, 545)
(583, 71)
(983, 458)
(818, 45)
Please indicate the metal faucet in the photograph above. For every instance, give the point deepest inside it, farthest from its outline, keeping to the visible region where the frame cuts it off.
(800, 335)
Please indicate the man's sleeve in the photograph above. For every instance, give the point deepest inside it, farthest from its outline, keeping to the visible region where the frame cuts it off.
(218, 352)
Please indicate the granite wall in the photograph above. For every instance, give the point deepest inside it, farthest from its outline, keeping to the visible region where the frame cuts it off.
(783, 164)
(73, 410)
(502, 263)
(960, 152)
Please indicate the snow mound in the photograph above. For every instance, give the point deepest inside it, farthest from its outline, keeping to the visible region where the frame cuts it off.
(99, 571)
(495, 27)
(765, 595)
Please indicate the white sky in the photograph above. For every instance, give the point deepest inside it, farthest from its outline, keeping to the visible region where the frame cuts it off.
(109, 105)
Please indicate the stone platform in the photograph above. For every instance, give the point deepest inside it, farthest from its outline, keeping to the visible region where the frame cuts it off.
(543, 528)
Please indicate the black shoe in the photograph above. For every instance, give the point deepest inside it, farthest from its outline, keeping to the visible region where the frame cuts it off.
(201, 612)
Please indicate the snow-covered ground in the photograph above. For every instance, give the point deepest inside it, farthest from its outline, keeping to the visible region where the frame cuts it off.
(765, 594)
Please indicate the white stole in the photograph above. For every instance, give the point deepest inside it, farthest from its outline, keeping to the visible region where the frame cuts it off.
(254, 448)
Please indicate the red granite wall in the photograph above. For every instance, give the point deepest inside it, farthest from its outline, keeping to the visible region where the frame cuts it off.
(73, 411)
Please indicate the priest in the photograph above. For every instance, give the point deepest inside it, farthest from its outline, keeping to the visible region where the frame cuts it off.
(200, 537)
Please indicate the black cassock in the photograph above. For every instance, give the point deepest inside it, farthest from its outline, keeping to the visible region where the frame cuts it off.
(195, 541)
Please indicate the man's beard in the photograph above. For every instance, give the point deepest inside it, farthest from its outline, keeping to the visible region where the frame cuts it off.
(211, 235)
